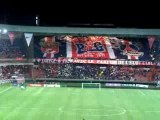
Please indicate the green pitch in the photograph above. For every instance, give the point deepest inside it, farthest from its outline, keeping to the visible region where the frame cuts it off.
(38, 103)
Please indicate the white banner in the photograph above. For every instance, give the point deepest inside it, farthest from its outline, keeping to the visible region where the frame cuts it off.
(108, 62)
(28, 37)
(52, 85)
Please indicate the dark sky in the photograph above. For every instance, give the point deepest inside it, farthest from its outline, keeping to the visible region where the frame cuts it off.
(78, 15)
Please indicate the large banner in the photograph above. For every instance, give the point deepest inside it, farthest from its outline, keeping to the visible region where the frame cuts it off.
(85, 61)
(49, 47)
(96, 47)
(13, 46)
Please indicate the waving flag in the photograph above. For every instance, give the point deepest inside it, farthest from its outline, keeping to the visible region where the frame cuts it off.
(28, 37)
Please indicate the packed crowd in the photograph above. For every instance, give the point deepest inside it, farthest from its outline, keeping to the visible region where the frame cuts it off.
(6, 72)
(82, 71)
(97, 72)
(9, 51)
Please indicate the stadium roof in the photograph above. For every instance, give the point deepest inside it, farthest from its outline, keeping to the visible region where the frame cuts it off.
(83, 31)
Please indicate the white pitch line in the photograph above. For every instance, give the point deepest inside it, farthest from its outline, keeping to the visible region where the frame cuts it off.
(154, 111)
(142, 93)
(60, 109)
(119, 112)
(27, 108)
(5, 90)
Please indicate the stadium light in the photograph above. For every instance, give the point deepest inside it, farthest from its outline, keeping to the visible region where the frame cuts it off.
(4, 31)
(37, 20)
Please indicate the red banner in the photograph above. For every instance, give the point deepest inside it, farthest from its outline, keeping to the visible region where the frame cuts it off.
(91, 47)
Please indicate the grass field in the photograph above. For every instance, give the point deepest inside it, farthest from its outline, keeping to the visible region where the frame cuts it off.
(78, 104)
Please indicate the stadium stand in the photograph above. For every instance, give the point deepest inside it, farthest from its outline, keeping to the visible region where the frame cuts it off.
(133, 46)
(8, 71)
(17, 49)
(96, 72)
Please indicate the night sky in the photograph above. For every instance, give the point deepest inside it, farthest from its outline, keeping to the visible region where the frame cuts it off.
(83, 15)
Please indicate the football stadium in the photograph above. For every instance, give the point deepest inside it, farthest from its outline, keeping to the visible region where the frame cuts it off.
(65, 73)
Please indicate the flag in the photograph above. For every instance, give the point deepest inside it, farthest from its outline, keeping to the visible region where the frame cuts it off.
(28, 37)
(11, 37)
(151, 40)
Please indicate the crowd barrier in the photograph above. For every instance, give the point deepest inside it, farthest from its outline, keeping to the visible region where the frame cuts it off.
(104, 84)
